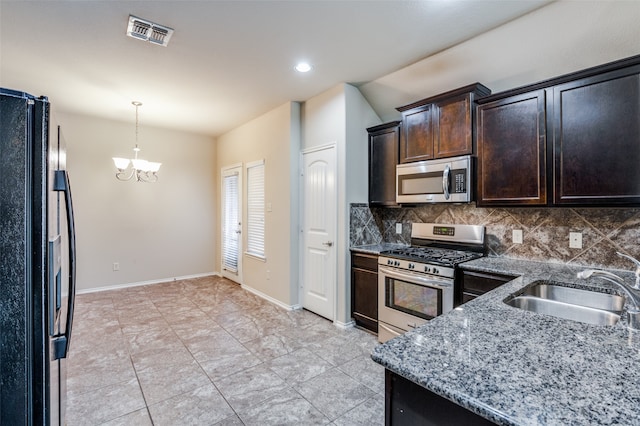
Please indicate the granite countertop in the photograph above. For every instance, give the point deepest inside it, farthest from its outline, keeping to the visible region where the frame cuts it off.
(516, 367)
(376, 248)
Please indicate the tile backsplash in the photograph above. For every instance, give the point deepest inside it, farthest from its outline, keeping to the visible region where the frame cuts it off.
(545, 230)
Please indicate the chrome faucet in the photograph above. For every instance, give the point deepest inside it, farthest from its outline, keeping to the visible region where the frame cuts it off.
(633, 297)
(632, 291)
(636, 286)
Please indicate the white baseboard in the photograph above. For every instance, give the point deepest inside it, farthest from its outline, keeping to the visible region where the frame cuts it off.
(339, 324)
(344, 325)
(141, 283)
(271, 299)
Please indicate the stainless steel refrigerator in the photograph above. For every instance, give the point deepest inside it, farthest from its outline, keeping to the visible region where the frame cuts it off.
(37, 262)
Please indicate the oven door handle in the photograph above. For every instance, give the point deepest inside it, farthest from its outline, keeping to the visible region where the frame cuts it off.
(395, 333)
(425, 281)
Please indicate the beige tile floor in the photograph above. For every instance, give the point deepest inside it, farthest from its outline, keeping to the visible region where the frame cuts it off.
(205, 352)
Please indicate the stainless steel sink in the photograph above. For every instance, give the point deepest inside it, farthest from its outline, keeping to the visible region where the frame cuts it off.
(576, 304)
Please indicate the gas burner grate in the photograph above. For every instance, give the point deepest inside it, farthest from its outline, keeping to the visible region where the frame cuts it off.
(433, 255)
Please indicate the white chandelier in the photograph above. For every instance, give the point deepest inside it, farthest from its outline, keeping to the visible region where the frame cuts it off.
(143, 170)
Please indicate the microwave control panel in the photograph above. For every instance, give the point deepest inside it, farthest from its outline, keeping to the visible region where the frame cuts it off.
(459, 181)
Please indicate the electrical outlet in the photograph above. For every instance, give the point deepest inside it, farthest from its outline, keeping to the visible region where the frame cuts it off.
(268, 274)
(116, 266)
(398, 228)
(575, 240)
(516, 236)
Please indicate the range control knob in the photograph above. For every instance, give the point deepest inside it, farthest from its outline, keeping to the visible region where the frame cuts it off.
(435, 271)
(397, 263)
(389, 262)
(412, 266)
(427, 269)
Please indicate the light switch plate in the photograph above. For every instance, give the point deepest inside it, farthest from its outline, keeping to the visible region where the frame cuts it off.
(516, 236)
(575, 240)
(398, 228)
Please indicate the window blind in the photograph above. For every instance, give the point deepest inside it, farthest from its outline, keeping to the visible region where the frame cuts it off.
(230, 224)
(255, 208)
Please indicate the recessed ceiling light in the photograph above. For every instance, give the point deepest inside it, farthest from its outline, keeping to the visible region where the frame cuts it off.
(303, 67)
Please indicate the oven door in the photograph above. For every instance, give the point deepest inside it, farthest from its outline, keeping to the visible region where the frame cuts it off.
(409, 299)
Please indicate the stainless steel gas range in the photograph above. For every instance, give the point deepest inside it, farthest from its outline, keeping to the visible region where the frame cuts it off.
(417, 283)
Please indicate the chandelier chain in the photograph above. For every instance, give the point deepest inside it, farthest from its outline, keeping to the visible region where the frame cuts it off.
(141, 170)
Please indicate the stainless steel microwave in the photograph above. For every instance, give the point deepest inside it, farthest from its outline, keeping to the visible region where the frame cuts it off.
(446, 180)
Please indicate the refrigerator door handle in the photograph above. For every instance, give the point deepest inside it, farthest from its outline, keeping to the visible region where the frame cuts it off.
(61, 342)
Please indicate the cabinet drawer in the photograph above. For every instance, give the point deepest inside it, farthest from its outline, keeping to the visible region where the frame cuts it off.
(480, 283)
(365, 261)
(468, 296)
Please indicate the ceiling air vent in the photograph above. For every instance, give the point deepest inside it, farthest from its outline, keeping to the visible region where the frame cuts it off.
(148, 31)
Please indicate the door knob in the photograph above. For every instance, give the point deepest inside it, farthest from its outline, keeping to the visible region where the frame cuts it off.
(328, 243)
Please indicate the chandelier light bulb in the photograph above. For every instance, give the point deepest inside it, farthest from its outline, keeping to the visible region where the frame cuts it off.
(143, 170)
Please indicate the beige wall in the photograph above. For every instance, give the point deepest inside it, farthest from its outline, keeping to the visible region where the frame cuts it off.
(560, 38)
(274, 137)
(155, 231)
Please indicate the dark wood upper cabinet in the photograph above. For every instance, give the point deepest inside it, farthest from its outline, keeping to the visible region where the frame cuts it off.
(416, 143)
(570, 141)
(596, 145)
(440, 126)
(384, 142)
(453, 128)
(512, 151)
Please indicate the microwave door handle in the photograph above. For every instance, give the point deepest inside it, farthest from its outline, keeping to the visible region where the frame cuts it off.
(445, 181)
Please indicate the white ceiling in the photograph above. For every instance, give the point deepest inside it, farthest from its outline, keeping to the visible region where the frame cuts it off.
(228, 61)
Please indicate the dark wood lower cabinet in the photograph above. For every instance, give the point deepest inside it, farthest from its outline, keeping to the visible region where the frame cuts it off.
(364, 290)
(407, 403)
(473, 284)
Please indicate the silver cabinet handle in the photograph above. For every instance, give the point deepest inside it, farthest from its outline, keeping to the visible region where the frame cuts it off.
(328, 243)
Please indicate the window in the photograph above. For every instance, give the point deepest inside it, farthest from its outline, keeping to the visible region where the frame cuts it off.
(255, 209)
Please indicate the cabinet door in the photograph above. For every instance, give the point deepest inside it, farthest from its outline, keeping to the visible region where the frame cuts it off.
(407, 403)
(452, 127)
(511, 136)
(416, 143)
(596, 143)
(365, 304)
(364, 290)
(383, 158)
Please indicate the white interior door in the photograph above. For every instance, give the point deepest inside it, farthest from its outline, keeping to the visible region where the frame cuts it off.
(232, 223)
(319, 232)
